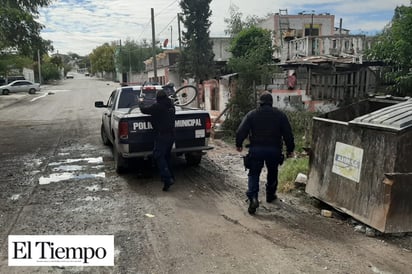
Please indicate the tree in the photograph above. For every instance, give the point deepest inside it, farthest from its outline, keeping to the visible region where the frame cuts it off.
(394, 47)
(131, 55)
(49, 70)
(18, 27)
(102, 58)
(235, 23)
(252, 54)
(10, 61)
(197, 56)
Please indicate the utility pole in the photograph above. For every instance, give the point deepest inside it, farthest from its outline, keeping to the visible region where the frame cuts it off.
(121, 61)
(171, 37)
(154, 47)
(39, 66)
(178, 29)
(130, 68)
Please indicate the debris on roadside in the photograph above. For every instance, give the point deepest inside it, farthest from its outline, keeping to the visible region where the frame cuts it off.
(301, 180)
(326, 213)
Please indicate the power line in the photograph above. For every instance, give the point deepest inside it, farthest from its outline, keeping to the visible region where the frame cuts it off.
(168, 24)
(173, 2)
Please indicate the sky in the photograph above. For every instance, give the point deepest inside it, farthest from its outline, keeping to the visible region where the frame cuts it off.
(79, 26)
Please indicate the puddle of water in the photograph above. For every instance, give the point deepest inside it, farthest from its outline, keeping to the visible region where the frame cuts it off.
(32, 163)
(57, 177)
(96, 160)
(68, 168)
(90, 198)
(93, 188)
(34, 172)
(96, 188)
(15, 197)
(78, 147)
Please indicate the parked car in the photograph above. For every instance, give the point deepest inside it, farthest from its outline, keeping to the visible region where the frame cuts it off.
(15, 78)
(69, 76)
(20, 86)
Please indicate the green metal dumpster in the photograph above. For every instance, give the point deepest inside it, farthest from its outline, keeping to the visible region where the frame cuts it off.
(361, 162)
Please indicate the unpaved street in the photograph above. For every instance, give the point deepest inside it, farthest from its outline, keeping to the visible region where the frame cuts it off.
(57, 178)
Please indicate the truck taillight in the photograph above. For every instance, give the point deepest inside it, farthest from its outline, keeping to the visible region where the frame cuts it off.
(123, 130)
(208, 123)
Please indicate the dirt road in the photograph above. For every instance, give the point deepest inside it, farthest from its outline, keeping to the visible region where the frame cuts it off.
(58, 179)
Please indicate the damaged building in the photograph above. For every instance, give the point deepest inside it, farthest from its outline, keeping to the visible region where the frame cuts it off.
(322, 65)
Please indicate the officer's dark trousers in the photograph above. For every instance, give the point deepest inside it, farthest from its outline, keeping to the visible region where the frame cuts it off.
(161, 154)
(263, 155)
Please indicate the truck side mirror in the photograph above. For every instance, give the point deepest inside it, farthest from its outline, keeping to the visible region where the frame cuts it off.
(99, 104)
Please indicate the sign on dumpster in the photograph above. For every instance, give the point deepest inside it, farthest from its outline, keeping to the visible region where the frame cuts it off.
(347, 161)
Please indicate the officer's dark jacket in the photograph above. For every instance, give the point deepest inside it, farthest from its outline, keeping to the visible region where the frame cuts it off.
(162, 115)
(266, 126)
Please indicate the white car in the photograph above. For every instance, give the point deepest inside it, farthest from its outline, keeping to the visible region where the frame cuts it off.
(20, 86)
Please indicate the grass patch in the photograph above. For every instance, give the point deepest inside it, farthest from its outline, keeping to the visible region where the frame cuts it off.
(289, 170)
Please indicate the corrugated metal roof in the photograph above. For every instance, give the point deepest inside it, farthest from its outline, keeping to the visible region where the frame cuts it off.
(397, 117)
(317, 59)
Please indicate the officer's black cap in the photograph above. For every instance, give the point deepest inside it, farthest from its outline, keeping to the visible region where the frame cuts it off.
(266, 98)
(161, 94)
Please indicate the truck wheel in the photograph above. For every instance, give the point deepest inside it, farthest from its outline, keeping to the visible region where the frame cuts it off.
(5, 91)
(193, 158)
(120, 163)
(32, 91)
(103, 134)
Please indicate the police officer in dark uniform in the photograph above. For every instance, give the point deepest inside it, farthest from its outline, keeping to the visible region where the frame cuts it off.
(163, 121)
(267, 129)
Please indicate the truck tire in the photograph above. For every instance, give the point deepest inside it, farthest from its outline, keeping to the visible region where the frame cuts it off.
(193, 158)
(105, 139)
(120, 163)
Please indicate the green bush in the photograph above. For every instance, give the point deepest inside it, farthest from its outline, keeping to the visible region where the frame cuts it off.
(301, 123)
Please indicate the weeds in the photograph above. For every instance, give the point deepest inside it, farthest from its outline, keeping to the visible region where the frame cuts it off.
(289, 170)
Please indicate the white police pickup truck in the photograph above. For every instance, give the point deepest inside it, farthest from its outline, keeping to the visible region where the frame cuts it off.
(131, 134)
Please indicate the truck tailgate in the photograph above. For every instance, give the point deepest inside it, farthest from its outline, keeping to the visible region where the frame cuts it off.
(192, 130)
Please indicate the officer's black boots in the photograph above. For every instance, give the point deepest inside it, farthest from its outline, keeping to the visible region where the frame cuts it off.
(167, 185)
(253, 204)
(271, 197)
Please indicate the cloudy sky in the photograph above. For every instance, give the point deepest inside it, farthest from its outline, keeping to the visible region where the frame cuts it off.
(79, 26)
